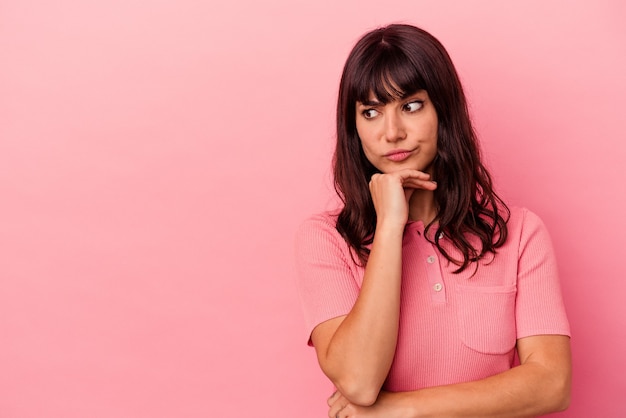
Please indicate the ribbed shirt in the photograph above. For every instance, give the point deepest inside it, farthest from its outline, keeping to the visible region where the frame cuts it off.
(453, 327)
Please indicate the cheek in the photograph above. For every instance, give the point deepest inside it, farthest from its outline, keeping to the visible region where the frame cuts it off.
(432, 137)
(367, 151)
(359, 131)
(432, 124)
(364, 140)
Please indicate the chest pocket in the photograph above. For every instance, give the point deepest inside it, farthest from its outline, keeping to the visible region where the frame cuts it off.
(486, 318)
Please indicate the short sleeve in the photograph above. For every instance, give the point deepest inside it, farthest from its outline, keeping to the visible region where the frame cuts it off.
(539, 303)
(326, 277)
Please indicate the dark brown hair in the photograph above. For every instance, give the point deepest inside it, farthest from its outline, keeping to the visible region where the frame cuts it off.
(393, 62)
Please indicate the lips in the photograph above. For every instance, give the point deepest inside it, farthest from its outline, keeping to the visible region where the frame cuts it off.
(398, 155)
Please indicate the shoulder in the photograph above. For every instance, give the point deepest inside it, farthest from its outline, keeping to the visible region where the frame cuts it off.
(319, 224)
(526, 228)
(522, 220)
(318, 236)
(523, 216)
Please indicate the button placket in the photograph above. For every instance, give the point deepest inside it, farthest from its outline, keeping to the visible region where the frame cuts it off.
(438, 292)
(428, 257)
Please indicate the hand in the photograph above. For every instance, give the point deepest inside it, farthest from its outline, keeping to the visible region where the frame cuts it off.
(384, 407)
(391, 193)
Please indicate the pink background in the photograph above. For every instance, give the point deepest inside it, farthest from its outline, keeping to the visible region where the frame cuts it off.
(156, 158)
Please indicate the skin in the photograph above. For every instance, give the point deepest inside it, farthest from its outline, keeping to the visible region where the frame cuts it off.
(356, 351)
(407, 124)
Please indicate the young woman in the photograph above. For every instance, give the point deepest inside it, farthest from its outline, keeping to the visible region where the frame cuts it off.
(421, 290)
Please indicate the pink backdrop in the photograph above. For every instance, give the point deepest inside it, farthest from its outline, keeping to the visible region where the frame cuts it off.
(157, 156)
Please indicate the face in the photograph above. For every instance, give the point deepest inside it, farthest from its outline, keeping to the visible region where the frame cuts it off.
(400, 134)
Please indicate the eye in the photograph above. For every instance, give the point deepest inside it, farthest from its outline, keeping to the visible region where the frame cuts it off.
(413, 106)
(369, 113)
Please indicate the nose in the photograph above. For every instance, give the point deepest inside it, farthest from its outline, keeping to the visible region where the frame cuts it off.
(394, 127)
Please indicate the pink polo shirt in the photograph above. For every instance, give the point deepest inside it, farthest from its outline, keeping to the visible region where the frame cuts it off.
(453, 327)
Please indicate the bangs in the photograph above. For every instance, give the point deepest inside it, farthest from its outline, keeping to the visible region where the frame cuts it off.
(389, 75)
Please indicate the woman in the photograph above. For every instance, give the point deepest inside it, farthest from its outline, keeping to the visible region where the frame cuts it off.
(420, 291)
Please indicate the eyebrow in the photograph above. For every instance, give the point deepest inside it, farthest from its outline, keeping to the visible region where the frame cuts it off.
(375, 103)
(369, 103)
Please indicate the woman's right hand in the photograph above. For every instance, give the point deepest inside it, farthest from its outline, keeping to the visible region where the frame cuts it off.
(391, 193)
(356, 350)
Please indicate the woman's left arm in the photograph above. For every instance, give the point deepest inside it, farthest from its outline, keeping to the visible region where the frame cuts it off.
(539, 385)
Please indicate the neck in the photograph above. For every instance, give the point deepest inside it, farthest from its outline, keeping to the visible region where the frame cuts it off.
(422, 206)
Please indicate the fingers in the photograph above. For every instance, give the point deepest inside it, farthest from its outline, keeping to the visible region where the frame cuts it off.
(333, 398)
(338, 411)
(408, 178)
(420, 184)
(404, 174)
(391, 193)
(336, 404)
(412, 174)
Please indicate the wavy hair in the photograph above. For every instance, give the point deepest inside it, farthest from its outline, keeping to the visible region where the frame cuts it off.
(392, 62)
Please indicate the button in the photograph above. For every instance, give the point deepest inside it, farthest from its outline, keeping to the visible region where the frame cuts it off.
(431, 259)
(437, 287)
